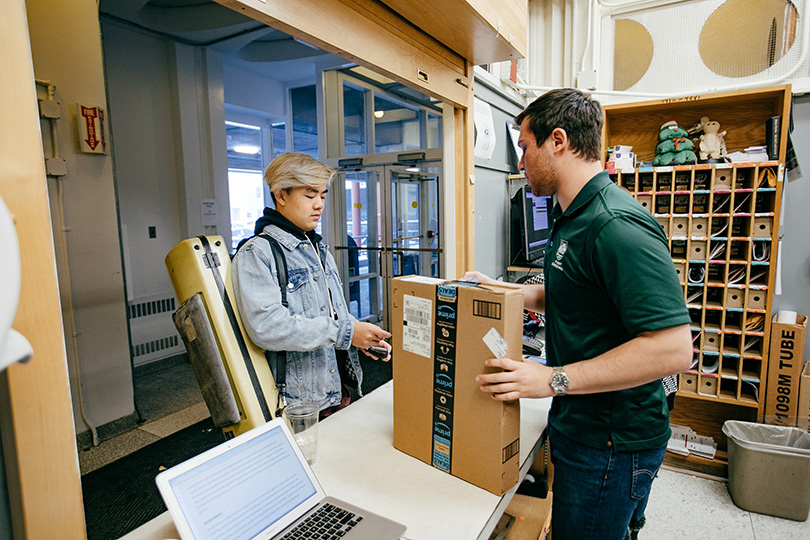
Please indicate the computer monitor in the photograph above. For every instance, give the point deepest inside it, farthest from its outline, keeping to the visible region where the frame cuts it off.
(531, 225)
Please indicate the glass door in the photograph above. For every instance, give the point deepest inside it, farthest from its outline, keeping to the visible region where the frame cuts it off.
(414, 246)
(392, 228)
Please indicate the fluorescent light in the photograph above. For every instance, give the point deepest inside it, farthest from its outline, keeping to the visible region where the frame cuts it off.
(246, 149)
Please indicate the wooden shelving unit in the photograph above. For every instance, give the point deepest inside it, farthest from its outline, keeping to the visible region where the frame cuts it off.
(722, 222)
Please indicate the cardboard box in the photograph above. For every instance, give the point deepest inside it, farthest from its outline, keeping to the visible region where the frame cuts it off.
(442, 334)
(785, 363)
(532, 517)
(803, 420)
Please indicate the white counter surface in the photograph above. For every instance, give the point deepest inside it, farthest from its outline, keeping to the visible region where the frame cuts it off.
(357, 462)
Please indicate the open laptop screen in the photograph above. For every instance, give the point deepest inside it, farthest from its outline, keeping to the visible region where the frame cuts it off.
(245, 490)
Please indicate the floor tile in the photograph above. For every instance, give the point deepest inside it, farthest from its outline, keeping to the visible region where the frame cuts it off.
(685, 506)
(115, 448)
(773, 528)
(176, 421)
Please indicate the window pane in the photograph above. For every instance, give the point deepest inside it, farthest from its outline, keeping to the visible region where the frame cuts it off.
(244, 146)
(434, 130)
(396, 126)
(247, 202)
(279, 135)
(354, 121)
(304, 120)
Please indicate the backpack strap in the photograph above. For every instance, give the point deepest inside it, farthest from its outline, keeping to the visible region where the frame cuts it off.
(278, 359)
(281, 266)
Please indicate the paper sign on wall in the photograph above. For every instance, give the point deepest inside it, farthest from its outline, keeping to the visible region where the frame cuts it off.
(209, 212)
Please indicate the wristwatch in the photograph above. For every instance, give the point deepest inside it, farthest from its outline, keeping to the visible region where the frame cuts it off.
(559, 381)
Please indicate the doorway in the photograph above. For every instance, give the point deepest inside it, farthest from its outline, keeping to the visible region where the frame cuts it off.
(392, 214)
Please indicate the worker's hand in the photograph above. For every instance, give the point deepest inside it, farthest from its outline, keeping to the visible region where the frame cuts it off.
(517, 380)
(477, 277)
(370, 335)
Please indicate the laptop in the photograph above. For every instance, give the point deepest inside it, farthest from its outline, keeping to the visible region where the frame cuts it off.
(259, 486)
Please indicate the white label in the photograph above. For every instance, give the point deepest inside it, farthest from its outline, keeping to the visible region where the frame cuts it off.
(417, 328)
(497, 345)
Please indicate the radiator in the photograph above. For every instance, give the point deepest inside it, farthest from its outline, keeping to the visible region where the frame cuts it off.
(152, 330)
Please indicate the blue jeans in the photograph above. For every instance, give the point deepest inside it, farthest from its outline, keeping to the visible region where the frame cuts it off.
(599, 494)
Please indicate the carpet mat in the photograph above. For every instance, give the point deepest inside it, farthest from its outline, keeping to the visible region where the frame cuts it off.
(122, 495)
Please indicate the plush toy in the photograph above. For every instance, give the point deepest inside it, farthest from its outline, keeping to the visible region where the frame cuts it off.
(711, 142)
(675, 148)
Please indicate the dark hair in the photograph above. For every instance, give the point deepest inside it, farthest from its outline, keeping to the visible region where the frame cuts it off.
(569, 109)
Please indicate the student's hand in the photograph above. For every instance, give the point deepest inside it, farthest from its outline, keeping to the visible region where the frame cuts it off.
(477, 277)
(517, 380)
(383, 345)
(370, 335)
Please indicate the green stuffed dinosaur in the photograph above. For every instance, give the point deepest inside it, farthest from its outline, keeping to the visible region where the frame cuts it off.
(675, 148)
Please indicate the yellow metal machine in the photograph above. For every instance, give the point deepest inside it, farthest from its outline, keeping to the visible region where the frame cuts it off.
(234, 375)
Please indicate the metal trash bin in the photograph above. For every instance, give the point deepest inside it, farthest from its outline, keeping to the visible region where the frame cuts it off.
(769, 468)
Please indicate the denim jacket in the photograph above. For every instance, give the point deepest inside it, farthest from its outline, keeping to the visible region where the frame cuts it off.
(305, 329)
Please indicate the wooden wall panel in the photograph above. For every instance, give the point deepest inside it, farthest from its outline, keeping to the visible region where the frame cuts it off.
(36, 423)
(482, 31)
(371, 34)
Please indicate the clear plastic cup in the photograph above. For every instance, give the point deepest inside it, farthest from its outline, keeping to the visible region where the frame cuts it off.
(303, 417)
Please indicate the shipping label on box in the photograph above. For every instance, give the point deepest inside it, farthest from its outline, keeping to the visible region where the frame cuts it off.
(803, 420)
(442, 334)
(785, 363)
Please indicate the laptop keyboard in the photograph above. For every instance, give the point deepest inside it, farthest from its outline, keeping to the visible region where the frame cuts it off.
(327, 523)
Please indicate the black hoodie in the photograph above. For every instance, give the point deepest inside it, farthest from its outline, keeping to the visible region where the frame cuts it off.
(271, 216)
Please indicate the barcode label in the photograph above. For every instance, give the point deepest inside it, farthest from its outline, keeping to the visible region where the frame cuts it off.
(511, 450)
(490, 310)
(417, 328)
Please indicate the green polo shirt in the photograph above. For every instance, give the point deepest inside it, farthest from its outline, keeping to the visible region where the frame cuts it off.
(609, 277)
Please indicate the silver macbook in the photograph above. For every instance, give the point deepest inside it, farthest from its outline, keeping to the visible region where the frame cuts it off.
(259, 486)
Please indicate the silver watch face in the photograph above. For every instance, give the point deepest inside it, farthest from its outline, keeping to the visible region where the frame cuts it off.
(559, 382)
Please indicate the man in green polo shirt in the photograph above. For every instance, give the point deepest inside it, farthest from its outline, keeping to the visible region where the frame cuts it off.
(616, 323)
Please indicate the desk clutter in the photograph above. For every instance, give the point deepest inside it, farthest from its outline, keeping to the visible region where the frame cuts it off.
(685, 441)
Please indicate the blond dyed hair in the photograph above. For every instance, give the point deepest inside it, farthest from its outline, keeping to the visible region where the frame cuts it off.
(292, 170)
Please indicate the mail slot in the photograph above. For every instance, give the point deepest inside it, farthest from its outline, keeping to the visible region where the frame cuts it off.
(711, 341)
(756, 299)
(700, 226)
(687, 382)
(697, 252)
(762, 227)
(646, 202)
(722, 179)
(734, 298)
(708, 386)
(679, 226)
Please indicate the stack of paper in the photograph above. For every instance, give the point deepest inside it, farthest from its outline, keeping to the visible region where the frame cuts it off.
(684, 442)
(752, 153)
(757, 153)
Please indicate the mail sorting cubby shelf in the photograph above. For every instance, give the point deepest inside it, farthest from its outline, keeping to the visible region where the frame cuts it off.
(719, 220)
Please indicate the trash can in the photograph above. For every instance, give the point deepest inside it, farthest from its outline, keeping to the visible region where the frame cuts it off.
(769, 468)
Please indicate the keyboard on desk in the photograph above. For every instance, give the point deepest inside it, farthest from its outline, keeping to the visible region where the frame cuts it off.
(327, 523)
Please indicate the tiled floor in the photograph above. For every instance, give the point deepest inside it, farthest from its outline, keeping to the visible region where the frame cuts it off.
(169, 400)
(682, 505)
(686, 506)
